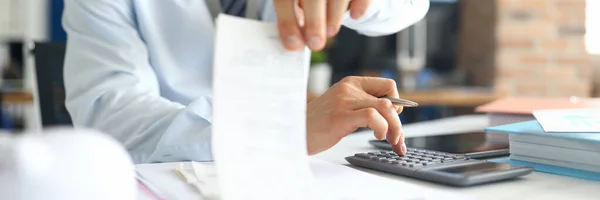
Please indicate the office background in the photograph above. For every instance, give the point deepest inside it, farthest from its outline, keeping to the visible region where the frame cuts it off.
(463, 54)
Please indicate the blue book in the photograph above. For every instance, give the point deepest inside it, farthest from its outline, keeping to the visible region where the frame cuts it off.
(533, 127)
(552, 169)
(531, 132)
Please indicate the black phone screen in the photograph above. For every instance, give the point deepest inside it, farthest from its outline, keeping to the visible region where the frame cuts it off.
(456, 143)
(461, 143)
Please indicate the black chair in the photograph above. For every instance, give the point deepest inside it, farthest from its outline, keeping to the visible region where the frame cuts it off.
(49, 59)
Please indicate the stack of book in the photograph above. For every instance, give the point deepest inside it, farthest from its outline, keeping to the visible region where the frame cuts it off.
(518, 109)
(557, 144)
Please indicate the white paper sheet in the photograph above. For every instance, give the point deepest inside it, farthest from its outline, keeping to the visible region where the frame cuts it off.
(164, 182)
(569, 120)
(259, 113)
(333, 182)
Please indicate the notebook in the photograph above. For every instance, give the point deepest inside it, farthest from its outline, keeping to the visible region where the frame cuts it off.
(552, 152)
(569, 120)
(552, 169)
(533, 128)
(533, 133)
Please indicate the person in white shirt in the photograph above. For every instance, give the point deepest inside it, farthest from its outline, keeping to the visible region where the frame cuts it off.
(140, 70)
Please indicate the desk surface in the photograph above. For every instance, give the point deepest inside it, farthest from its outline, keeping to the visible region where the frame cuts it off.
(535, 186)
(532, 187)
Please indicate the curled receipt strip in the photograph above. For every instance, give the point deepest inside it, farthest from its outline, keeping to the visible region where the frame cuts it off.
(201, 179)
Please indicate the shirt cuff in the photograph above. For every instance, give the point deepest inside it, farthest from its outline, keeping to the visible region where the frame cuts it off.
(385, 17)
(188, 138)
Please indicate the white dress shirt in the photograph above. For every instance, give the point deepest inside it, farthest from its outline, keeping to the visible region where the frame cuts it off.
(140, 70)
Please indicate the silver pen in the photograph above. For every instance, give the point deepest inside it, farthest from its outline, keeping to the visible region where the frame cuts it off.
(402, 102)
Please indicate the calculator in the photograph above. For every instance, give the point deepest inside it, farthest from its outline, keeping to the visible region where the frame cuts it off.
(438, 167)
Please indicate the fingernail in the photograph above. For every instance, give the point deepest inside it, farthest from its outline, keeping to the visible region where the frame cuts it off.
(330, 31)
(355, 14)
(314, 42)
(403, 148)
(292, 41)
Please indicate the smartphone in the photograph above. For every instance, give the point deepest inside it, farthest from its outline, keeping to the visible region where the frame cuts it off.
(475, 145)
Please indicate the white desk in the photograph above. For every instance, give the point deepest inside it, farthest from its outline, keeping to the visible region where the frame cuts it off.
(532, 187)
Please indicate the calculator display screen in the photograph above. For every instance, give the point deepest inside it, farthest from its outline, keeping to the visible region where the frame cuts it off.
(477, 168)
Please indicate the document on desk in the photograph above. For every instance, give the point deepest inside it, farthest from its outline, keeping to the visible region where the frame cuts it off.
(332, 181)
(569, 120)
(259, 113)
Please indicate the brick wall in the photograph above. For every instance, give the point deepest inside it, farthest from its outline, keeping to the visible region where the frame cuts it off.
(526, 47)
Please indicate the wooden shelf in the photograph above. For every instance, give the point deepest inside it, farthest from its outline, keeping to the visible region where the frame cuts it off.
(17, 97)
(453, 97)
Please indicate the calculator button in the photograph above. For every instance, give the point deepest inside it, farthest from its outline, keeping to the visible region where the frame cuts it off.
(395, 162)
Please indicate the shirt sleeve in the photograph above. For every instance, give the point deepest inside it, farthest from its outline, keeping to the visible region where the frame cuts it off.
(111, 87)
(385, 17)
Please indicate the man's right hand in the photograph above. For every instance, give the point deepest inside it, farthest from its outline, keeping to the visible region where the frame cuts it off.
(350, 104)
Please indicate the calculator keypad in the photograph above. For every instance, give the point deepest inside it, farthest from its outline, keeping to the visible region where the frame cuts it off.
(412, 158)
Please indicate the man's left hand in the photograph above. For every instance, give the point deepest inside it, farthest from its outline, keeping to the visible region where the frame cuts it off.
(311, 22)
